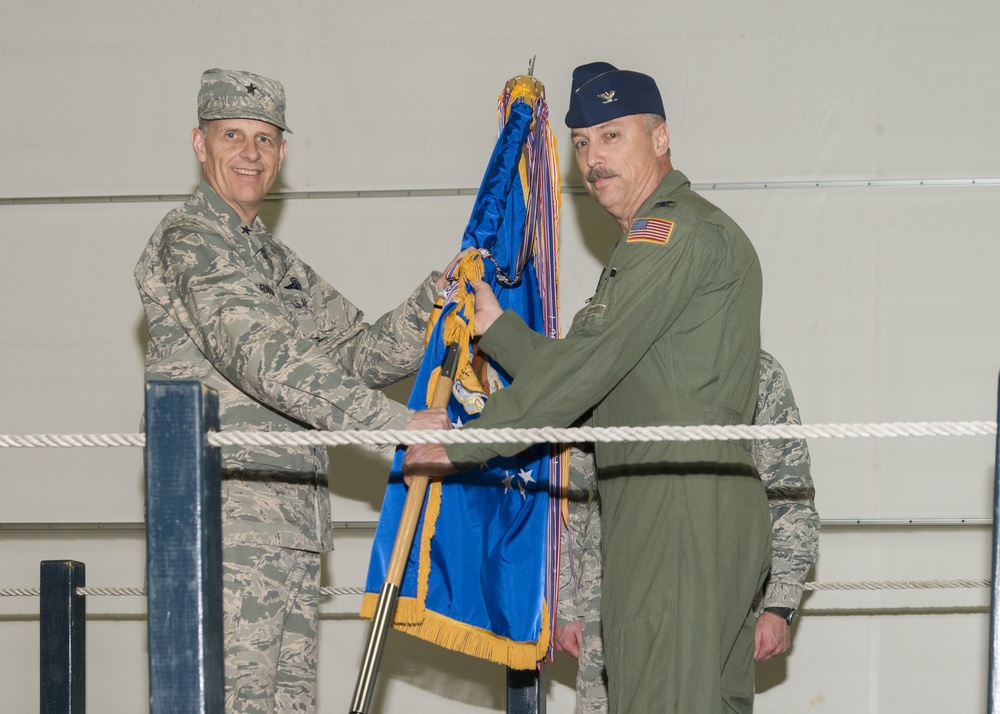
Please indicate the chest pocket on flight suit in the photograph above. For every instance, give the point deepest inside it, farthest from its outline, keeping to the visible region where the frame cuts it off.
(592, 319)
(298, 307)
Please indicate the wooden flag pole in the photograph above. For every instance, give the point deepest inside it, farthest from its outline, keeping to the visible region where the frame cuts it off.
(387, 597)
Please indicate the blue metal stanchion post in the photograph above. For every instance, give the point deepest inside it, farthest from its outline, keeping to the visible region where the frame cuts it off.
(526, 691)
(183, 549)
(994, 671)
(63, 637)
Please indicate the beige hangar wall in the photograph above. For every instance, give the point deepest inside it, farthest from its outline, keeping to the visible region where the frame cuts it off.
(812, 124)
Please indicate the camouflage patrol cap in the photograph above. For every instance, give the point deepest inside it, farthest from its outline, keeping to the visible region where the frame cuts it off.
(233, 94)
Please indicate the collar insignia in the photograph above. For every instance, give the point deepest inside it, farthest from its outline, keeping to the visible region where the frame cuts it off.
(608, 97)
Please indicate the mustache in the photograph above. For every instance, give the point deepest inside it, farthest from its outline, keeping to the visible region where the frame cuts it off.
(599, 172)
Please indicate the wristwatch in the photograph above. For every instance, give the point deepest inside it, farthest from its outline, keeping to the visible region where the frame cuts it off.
(788, 614)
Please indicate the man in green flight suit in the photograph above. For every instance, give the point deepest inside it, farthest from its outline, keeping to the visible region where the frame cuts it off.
(672, 336)
(784, 467)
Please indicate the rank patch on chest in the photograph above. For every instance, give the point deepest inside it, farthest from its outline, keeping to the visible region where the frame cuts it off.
(650, 230)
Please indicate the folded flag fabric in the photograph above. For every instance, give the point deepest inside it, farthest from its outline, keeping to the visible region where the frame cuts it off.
(480, 575)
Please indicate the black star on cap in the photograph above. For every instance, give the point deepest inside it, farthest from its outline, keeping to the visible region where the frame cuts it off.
(245, 229)
(252, 88)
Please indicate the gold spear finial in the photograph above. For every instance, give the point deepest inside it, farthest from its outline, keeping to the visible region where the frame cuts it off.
(525, 85)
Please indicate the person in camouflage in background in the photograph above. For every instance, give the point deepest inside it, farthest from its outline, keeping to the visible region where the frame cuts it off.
(231, 306)
(784, 470)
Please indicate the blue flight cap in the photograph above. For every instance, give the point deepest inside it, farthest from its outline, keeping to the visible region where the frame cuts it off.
(602, 92)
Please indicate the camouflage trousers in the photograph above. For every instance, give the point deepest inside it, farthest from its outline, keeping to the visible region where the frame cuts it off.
(591, 676)
(270, 599)
(585, 532)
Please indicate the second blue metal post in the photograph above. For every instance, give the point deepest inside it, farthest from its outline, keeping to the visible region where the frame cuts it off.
(62, 637)
(994, 675)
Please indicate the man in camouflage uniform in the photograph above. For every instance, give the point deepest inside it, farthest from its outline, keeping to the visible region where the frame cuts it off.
(231, 306)
(784, 470)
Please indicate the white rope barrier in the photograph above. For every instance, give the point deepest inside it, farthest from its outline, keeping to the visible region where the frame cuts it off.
(550, 435)
(37, 441)
(140, 592)
(900, 585)
(841, 586)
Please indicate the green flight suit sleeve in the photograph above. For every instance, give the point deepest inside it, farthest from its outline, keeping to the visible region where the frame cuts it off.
(636, 303)
(509, 341)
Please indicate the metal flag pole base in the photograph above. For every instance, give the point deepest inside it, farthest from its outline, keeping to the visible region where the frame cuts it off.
(373, 653)
(389, 593)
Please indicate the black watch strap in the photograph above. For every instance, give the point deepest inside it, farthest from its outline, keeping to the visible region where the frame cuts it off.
(788, 614)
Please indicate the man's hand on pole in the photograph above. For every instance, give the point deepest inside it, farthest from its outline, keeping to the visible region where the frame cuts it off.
(487, 307)
(426, 460)
(431, 459)
(429, 419)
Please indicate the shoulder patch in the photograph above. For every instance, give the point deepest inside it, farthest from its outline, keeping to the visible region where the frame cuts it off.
(650, 230)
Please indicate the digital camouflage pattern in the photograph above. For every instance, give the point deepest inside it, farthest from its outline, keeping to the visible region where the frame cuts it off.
(229, 305)
(233, 94)
(270, 602)
(784, 467)
(580, 581)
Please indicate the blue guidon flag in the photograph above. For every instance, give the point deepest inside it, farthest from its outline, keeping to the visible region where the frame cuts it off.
(482, 572)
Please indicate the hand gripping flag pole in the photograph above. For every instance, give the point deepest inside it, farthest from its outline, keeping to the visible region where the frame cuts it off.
(400, 552)
(479, 577)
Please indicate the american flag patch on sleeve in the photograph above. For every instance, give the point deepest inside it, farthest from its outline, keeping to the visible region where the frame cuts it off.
(650, 230)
